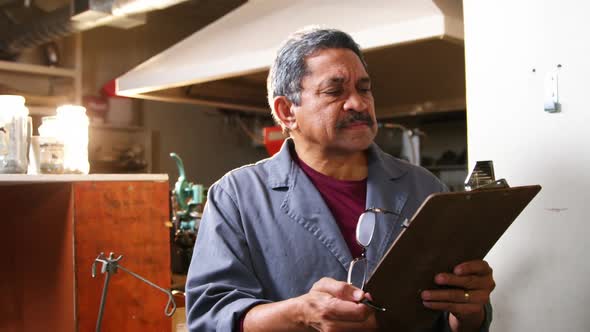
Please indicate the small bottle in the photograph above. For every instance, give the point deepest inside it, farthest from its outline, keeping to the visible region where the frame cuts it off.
(14, 134)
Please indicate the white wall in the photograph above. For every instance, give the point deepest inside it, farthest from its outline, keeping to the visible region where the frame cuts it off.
(208, 144)
(541, 264)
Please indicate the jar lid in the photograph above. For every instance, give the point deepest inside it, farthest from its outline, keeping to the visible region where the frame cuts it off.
(48, 118)
(13, 100)
(68, 110)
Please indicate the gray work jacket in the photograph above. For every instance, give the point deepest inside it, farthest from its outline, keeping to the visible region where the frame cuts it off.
(266, 235)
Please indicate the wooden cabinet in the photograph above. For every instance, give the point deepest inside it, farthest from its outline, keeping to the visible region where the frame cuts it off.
(53, 231)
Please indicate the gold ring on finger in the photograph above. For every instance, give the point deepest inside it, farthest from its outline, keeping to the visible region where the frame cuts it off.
(466, 296)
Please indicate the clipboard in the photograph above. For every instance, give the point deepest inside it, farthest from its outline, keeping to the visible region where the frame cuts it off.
(446, 230)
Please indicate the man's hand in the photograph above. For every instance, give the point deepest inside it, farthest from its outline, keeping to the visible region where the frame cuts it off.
(332, 305)
(472, 283)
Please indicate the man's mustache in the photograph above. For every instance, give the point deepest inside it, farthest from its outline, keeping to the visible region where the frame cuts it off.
(355, 117)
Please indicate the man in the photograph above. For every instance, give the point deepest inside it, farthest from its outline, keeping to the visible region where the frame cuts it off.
(277, 238)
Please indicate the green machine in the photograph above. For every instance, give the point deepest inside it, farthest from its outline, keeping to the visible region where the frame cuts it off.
(186, 201)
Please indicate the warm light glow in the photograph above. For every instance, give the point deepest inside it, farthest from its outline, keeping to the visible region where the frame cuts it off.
(14, 133)
(11, 100)
(130, 7)
(73, 124)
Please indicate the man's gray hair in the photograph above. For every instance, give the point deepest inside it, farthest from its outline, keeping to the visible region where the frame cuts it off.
(289, 67)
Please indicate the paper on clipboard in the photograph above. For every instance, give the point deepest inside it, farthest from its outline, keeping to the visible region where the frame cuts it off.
(447, 229)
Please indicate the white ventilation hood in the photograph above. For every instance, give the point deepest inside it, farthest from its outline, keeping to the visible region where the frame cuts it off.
(414, 49)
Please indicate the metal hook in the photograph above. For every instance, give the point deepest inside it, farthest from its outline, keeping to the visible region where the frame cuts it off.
(96, 260)
(168, 312)
(109, 266)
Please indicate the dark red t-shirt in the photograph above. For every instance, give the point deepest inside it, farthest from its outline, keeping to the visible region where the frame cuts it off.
(345, 199)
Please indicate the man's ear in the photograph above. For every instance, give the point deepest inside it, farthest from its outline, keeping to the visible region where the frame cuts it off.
(284, 111)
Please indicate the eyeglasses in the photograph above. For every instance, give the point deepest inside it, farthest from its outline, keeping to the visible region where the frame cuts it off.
(365, 228)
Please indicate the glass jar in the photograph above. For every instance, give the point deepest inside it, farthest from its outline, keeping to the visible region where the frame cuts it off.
(51, 155)
(14, 134)
(50, 127)
(48, 148)
(74, 134)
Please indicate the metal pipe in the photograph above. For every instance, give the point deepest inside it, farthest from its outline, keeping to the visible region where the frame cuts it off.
(103, 300)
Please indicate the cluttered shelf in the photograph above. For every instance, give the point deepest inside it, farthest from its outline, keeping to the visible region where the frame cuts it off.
(47, 76)
(44, 88)
(117, 148)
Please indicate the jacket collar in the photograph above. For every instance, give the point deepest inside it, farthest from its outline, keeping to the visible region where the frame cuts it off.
(281, 165)
(385, 191)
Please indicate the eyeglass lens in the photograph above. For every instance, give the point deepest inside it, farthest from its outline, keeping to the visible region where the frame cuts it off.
(365, 228)
(357, 273)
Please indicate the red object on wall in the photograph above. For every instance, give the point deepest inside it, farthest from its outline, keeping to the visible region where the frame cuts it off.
(110, 88)
(273, 139)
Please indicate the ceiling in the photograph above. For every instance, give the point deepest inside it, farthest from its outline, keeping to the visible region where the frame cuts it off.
(195, 13)
(40, 21)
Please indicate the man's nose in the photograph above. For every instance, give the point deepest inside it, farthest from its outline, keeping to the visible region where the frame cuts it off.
(355, 102)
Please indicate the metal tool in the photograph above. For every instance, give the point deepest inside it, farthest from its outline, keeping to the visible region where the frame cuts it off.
(110, 266)
(187, 201)
(187, 193)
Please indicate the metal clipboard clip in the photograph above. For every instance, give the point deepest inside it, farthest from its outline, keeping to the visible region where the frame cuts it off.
(482, 177)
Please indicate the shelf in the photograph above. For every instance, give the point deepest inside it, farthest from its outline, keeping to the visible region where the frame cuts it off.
(446, 168)
(108, 126)
(45, 87)
(37, 69)
(41, 110)
(6, 179)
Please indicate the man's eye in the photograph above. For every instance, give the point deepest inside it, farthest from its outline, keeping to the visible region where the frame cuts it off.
(333, 92)
(365, 90)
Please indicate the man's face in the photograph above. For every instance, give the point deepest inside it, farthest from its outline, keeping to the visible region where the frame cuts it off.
(337, 111)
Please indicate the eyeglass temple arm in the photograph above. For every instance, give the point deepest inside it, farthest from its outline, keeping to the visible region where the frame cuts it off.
(379, 210)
